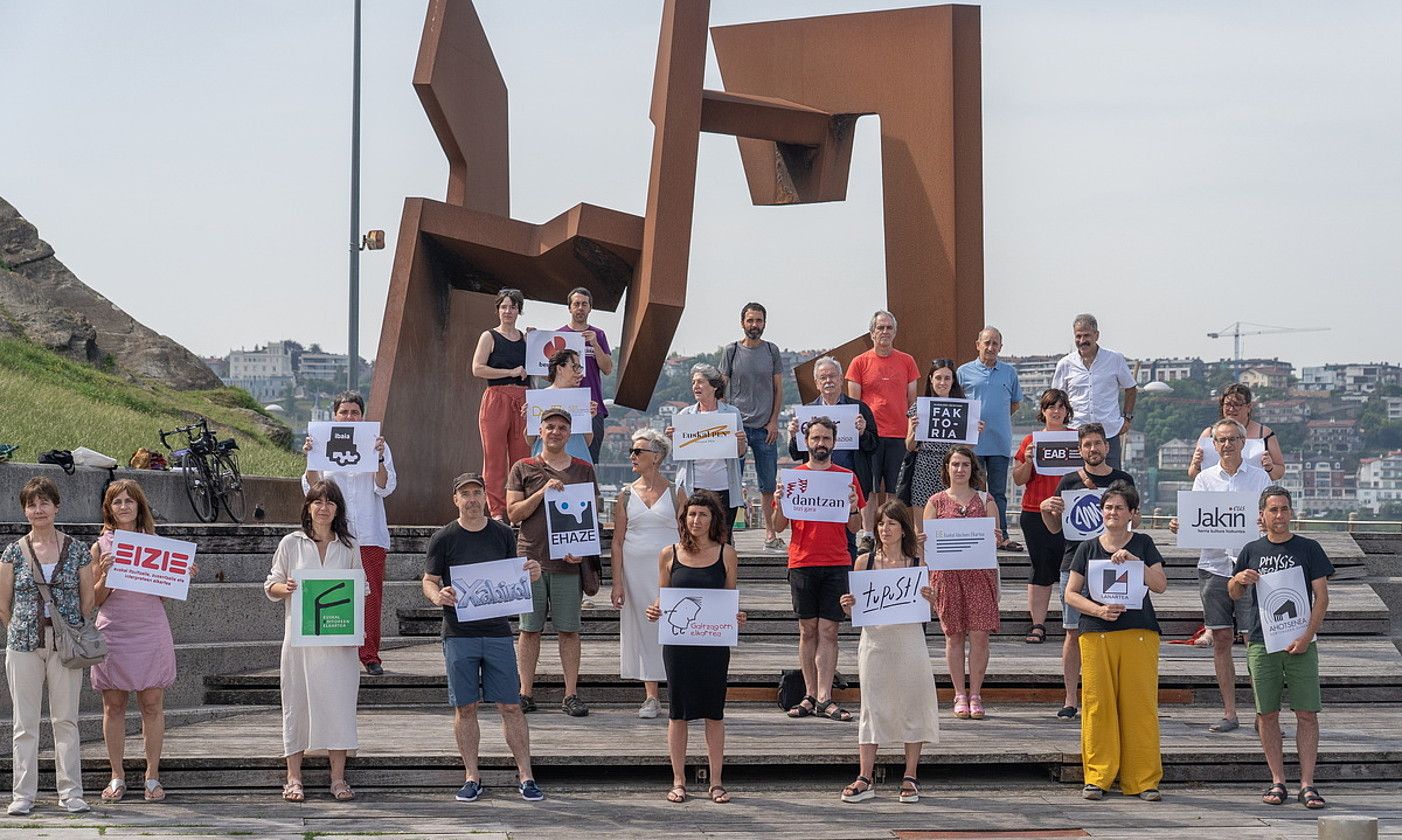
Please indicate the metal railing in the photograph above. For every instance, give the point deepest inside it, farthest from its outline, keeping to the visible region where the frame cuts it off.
(1352, 524)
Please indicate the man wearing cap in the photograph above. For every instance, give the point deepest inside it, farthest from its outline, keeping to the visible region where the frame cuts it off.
(557, 593)
(479, 655)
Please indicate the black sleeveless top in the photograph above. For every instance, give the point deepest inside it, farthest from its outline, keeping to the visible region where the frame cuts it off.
(687, 577)
(507, 354)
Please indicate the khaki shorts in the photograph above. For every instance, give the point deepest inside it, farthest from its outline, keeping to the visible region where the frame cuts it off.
(1272, 672)
(557, 594)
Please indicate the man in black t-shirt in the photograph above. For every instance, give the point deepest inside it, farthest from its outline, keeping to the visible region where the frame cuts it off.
(1095, 475)
(480, 655)
(1279, 554)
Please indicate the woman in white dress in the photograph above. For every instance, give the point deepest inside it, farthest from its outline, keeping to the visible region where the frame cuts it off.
(319, 684)
(644, 523)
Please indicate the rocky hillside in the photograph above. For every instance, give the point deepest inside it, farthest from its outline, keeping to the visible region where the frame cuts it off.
(43, 302)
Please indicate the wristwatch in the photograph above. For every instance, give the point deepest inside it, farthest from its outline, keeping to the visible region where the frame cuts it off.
(1128, 417)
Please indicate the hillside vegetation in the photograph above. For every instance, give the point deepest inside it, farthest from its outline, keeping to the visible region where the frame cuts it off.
(49, 402)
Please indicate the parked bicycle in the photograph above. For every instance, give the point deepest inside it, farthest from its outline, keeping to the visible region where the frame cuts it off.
(211, 471)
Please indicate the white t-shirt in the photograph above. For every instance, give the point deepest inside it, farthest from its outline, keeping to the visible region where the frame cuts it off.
(1095, 391)
(711, 474)
(1248, 478)
(48, 571)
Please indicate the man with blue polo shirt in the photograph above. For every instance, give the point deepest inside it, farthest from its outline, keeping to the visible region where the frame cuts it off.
(994, 384)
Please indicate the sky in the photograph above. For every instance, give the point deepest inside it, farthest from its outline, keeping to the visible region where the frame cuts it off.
(1170, 167)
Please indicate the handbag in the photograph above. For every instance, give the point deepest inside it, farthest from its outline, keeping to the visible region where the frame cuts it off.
(591, 574)
(77, 646)
(906, 478)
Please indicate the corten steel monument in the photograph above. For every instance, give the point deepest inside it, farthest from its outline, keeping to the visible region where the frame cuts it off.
(794, 90)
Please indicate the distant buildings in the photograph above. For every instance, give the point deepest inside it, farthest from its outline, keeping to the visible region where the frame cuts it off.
(1333, 437)
(1176, 455)
(1380, 480)
(1360, 379)
(269, 370)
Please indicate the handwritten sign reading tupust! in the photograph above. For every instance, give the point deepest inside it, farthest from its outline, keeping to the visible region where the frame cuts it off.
(889, 596)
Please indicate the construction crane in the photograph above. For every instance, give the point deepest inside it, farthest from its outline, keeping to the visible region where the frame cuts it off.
(1236, 332)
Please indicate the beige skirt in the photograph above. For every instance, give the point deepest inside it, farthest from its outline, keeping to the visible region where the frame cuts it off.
(898, 686)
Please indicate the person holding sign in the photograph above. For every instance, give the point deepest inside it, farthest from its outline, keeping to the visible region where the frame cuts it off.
(893, 664)
(966, 599)
(500, 359)
(1235, 404)
(364, 494)
(1044, 547)
(1120, 657)
(565, 371)
(697, 675)
(995, 385)
(598, 360)
(45, 576)
(319, 684)
(1094, 475)
(478, 655)
(644, 522)
(1093, 377)
(818, 565)
(140, 648)
(926, 477)
(719, 475)
(1289, 656)
(885, 379)
(827, 375)
(1222, 616)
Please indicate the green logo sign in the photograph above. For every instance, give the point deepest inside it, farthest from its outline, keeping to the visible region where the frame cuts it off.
(328, 608)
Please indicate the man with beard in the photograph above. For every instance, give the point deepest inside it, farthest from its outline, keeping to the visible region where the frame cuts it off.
(818, 567)
(753, 372)
(1092, 378)
(1095, 475)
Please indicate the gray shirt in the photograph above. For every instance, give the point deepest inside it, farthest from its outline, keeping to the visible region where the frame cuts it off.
(751, 371)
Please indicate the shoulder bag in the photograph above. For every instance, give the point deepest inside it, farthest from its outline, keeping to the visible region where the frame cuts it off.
(80, 645)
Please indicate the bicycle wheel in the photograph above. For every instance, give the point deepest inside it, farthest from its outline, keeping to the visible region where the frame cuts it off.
(229, 485)
(199, 489)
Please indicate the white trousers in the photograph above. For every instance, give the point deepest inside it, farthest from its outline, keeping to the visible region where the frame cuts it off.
(27, 674)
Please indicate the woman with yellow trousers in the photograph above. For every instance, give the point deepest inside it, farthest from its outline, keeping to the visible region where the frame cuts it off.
(1119, 653)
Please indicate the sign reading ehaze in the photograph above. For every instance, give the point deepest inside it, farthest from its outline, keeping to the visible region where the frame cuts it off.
(571, 521)
(960, 544)
(151, 564)
(889, 596)
(328, 608)
(1212, 519)
(1056, 453)
(699, 617)
(574, 400)
(703, 435)
(1081, 518)
(1282, 607)
(1117, 583)
(946, 420)
(845, 416)
(542, 344)
(816, 495)
(493, 589)
(343, 447)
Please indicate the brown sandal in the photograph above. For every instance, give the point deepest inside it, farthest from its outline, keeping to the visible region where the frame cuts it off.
(341, 789)
(677, 794)
(718, 794)
(292, 792)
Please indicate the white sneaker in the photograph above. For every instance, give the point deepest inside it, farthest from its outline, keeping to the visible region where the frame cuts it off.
(649, 709)
(74, 805)
(20, 807)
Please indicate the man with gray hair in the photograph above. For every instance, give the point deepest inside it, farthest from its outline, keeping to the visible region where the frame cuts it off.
(885, 379)
(1092, 378)
(1219, 611)
(827, 375)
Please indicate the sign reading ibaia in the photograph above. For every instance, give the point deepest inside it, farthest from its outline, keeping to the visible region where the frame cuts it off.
(151, 564)
(343, 447)
(699, 617)
(1117, 583)
(889, 596)
(328, 608)
(704, 435)
(542, 344)
(946, 420)
(816, 495)
(572, 521)
(1055, 453)
(845, 416)
(492, 589)
(1216, 519)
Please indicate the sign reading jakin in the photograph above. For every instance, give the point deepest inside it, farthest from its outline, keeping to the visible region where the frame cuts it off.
(1212, 519)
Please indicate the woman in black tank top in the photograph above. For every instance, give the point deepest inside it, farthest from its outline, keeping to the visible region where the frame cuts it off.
(500, 359)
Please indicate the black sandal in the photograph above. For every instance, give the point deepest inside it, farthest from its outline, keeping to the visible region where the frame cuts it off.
(912, 794)
(830, 710)
(1036, 634)
(1310, 798)
(1276, 794)
(802, 711)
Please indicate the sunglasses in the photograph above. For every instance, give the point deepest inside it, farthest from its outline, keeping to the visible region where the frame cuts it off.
(636, 451)
(942, 363)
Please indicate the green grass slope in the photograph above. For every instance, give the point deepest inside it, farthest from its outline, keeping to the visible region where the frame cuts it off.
(49, 402)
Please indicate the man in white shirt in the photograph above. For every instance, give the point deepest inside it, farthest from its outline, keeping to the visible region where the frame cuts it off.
(365, 513)
(1093, 378)
(1222, 616)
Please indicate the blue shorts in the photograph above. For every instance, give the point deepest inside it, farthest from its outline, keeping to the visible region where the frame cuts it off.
(766, 457)
(481, 669)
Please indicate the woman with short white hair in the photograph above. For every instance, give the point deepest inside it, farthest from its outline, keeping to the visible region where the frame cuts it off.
(719, 475)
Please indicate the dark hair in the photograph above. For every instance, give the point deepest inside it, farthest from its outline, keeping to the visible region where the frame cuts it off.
(900, 514)
(1125, 491)
(956, 390)
(514, 295)
(1276, 490)
(1052, 397)
(345, 397)
(1087, 429)
(757, 307)
(145, 522)
(711, 502)
(559, 359)
(327, 489)
(580, 290)
(38, 487)
(1236, 389)
(976, 479)
(821, 420)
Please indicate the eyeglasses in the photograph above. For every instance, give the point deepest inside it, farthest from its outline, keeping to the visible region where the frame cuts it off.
(1226, 440)
(1235, 404)
(637, 451)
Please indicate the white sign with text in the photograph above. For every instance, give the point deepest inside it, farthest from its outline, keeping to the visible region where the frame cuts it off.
(571, 521)
(491, 589)
(542, 344)
(1056, 453)
(574, 400)
(961, 544)
(1117, 583)
(946, 420)
(816, 495)
(704, 435)
(699, 617)
(1282, 607)
(151, 564)
(845, 416)
(343, 447)
(889, 596)
(1217, 519)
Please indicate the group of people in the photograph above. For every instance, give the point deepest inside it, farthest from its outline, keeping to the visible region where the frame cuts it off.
(678, 533)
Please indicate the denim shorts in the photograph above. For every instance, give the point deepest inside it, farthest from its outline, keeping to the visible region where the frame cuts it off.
(1070, 616)
(766, 457)
(481, 669)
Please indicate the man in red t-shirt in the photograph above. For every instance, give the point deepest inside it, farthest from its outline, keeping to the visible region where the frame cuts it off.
(818, 565)
(885, 379)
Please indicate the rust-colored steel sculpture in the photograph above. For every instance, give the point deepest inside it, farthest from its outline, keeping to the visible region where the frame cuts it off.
(794, 90)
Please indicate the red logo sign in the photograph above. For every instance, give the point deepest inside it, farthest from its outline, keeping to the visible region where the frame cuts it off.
(150, 557)
(553, 346)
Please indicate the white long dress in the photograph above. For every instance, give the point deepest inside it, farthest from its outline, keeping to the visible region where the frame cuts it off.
(650, 529)
(320, 685)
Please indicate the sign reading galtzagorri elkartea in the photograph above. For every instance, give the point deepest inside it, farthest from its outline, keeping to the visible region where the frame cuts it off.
(328, 608)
